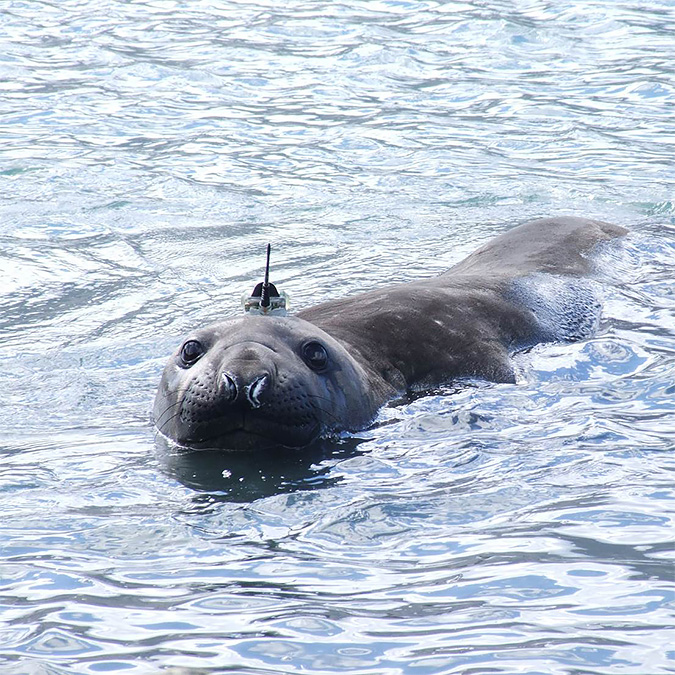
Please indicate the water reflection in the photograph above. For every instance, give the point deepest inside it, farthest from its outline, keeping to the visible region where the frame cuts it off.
(246, 476)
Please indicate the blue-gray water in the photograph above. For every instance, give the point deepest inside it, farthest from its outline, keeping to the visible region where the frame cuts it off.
(148, 151)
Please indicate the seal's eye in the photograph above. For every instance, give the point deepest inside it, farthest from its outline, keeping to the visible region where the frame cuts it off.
(191, 352)
(315, 355)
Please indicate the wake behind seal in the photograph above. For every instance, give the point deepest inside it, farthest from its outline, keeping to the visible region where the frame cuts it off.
(269, 378)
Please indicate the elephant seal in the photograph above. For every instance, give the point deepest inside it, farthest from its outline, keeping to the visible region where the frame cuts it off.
(262, 380)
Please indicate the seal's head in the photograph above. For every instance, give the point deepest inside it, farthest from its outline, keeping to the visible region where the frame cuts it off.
(260, 381)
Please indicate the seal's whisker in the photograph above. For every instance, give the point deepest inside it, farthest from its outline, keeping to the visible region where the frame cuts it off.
(167, 409)
(163, 424)
(319, 397)
(325, 411)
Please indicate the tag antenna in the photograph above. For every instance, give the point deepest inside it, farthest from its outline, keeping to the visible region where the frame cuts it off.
(265, 294)
(265, 298)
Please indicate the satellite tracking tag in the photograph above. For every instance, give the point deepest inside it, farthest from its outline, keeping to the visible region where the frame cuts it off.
(265, 299)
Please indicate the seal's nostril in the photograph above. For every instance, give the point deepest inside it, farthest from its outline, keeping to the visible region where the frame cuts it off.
(255, 389)
(229, 388)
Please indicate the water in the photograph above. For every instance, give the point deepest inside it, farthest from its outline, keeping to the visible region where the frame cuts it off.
(148, 152)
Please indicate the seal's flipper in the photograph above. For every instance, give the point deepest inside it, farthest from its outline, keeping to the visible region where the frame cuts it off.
(566, 309)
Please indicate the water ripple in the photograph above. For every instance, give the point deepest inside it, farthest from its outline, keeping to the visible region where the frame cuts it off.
(150, 150)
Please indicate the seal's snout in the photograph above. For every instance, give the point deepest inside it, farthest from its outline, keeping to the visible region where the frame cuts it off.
(249, 391)
(255, 391)
(247, 375)
(229, 388)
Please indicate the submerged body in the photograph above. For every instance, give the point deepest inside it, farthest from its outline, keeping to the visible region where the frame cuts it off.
(257, 381)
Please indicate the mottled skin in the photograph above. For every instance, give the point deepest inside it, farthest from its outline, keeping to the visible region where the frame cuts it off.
(253, 387)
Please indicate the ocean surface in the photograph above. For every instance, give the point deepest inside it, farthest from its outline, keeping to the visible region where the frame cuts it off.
(148, 152)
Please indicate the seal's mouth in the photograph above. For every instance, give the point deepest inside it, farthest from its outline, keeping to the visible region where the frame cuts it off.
(252, 434)
(236, 440)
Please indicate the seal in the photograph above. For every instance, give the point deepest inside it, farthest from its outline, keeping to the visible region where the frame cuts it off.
(268, 380)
